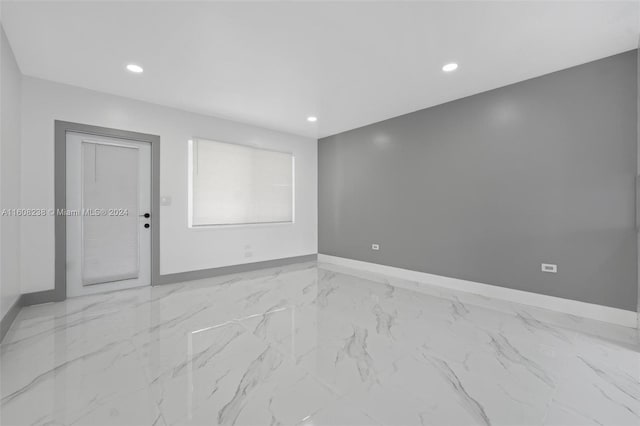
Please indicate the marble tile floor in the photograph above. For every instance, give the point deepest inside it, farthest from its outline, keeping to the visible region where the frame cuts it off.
(313, 344)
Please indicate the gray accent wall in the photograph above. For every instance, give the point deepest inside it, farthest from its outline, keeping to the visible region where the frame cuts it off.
(488, 187)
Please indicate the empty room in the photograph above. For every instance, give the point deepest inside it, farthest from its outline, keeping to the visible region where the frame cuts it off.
(316, 213)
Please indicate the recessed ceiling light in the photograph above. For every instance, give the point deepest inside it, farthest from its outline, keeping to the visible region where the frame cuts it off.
(135, 68)
(450, 67)
(312, 119)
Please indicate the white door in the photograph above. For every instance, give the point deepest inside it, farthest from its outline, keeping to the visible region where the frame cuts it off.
(108, 214)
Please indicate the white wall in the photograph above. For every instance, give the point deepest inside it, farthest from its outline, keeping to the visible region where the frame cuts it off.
(181, 249)
(10, 77)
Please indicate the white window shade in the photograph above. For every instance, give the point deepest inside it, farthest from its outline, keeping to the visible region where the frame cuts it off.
(234, 184)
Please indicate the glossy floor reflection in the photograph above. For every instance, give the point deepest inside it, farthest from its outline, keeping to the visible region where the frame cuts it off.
(310, 344)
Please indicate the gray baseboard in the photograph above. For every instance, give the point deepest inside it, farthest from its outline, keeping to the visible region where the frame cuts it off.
(7, 320)
(44, 296)
(56, 295)
(233, 269)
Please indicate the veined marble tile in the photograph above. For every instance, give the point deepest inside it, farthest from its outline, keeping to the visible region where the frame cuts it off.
(565, 321)
(309, 345)
(601, 393)
(65, 388)
(225, 375)
(340, 413)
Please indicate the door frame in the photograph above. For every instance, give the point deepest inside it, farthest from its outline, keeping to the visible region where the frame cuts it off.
(59, 292)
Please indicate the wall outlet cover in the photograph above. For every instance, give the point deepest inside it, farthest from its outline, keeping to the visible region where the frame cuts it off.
(549, 267)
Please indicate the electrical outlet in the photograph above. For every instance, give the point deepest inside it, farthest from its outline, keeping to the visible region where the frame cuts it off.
(375, 246)
(549, 267)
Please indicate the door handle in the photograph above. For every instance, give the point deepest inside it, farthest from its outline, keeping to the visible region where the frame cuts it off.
(147, 215)
(146, 225)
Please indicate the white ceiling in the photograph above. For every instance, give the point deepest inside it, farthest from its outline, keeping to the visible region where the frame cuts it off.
(274, 63)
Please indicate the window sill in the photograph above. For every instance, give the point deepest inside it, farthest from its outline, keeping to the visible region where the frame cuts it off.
(240, 225)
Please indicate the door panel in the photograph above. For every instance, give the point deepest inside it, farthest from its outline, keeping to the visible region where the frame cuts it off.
(110, 243)
(108, 186)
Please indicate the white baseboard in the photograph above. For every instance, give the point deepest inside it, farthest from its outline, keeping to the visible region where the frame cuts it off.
(558, 304)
